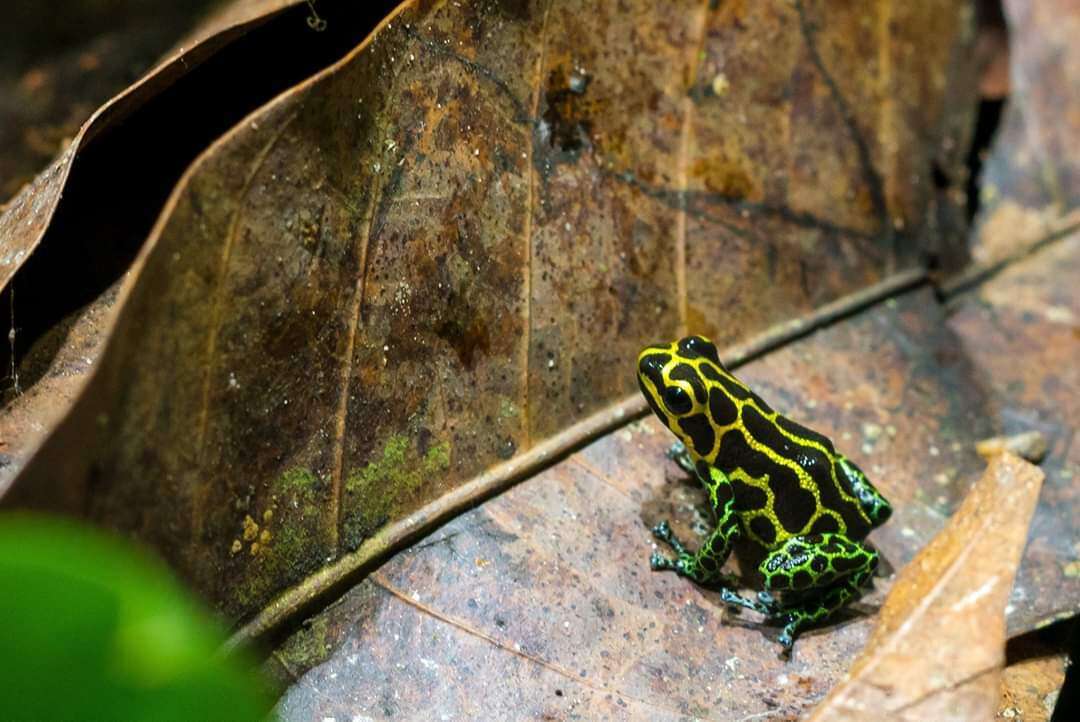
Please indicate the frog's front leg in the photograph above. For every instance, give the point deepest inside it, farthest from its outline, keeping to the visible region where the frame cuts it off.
(704, 565)
(681, 456)
(825, 571)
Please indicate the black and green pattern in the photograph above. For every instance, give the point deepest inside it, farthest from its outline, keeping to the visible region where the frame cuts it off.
(777, 483)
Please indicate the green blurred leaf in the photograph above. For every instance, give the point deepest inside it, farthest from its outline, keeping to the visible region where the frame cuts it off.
(94, 630)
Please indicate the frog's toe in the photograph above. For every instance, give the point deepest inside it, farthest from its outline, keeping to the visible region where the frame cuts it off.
(787, 638)
(768, 604)
(737, 600)
(681, 456)
(662, 532)
(676, 450)
(659, 562)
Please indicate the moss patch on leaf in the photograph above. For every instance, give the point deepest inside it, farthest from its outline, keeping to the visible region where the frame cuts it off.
(301, 487)
(306, 648)
(298, 481)
(396, 475)
(284, 541)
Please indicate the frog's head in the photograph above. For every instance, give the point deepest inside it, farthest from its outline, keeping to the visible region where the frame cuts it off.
(674, 379)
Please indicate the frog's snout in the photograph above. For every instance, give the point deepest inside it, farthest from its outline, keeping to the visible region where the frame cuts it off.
(651, 366)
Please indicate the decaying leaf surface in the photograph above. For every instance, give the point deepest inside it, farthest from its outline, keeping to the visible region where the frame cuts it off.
(1030, 689)
(443, 250)
(67, 239)
(939, 644)
(1031, 183)
(43, 103)
(551, 581)
(476, 610)
(1019, 326)
(1020, 330)
(1031, 681)
(29, 213)
(750, 192)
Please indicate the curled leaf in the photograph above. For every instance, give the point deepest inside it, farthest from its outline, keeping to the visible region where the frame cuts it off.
(1029, 445)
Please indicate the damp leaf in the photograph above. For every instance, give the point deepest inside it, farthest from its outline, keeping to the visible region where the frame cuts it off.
(547, 587)
(294, 345)
(421, 266)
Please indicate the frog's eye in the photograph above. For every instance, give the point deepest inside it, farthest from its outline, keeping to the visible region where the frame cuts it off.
(695, 346)
(677, 400)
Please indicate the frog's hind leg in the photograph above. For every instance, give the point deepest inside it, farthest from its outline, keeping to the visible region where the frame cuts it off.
(825, 571)
(819, 607)
(704, 565)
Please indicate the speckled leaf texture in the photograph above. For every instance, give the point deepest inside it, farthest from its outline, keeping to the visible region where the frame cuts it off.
(299, 309)
(546, 588)
(446, 248)
(548, 585)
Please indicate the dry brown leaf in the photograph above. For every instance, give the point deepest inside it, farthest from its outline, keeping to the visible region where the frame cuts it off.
(1030, 185)
(1019, 330)
(1029, 445)
(819, 241)
(1035, 673)
(231, 14)
(437, 254)
(911, 418)
(939, 645)
(557, 567)
(68, 238)
(50, 85)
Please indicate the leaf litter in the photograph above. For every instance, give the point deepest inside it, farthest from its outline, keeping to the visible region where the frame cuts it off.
(1006, 410)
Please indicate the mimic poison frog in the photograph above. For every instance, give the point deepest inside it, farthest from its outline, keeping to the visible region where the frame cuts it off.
(771, 481)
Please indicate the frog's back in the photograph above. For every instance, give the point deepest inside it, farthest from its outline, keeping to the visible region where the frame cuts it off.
(787, 478)
(770, 481)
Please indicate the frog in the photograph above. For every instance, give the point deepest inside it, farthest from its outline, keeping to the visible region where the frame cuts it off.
(804, 508)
